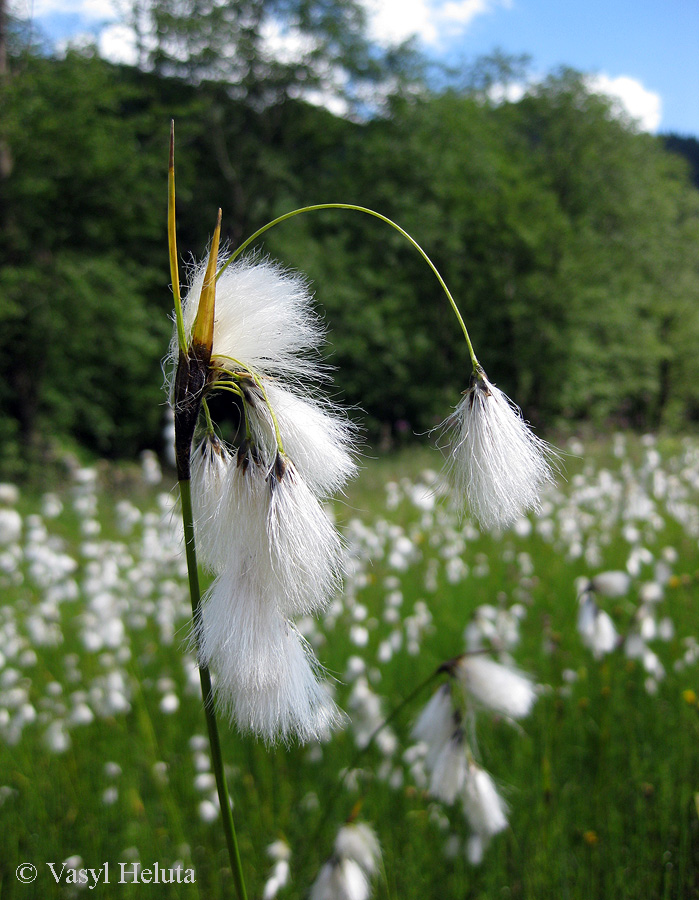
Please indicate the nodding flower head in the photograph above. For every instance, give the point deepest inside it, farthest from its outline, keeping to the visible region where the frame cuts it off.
(495, 687)
(497, 464)
(347, 874)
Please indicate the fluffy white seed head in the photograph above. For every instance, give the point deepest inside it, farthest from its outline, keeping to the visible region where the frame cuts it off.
(267, 678)
(611, 584)
(358, 841)
(596, 628)
(263, 317)
(341, 879)
(278, 879)
(475, 848)
(496, 687)
(449, 772)
(230, 501)
(497, 464)
(211, 464)
(316, 435)
(269, 523)
(305, 545)
(484, 808)
(587, 615)
(436, 724)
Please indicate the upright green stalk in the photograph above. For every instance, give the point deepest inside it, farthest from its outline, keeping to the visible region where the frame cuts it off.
(207, 695)
(191, 378)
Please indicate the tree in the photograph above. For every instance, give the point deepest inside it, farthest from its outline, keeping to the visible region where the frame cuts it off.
(78, 258)
(268, 50)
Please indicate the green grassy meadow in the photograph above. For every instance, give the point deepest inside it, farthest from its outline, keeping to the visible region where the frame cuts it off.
(102, 738)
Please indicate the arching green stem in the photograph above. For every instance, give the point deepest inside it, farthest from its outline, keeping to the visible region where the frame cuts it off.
(207, 414)
(258, 381)
(382, 218)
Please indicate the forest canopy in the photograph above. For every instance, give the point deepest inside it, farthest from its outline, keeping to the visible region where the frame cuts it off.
(567, 237)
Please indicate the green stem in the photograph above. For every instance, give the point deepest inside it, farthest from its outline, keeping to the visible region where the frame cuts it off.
(207, 414)
(208, 696)
(406, 701)
(376, 215)
(258, 381)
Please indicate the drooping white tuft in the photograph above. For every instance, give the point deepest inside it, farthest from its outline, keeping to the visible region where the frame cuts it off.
(611, 584)
(475, 848)
(358, 841)
(211, 463)
(280, 852)
(436, 724)
(305, 545)
(484, 808)
(449, 770)
(267, 678)
(497, 464)
(317, 436)
(596, 627)
(497, 687)
(341, 879)
(231, 525)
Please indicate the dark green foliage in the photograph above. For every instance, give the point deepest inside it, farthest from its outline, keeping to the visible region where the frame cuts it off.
(688, 147)
(567, 238)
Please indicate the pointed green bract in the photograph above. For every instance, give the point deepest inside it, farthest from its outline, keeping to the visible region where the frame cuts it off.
(203, 331)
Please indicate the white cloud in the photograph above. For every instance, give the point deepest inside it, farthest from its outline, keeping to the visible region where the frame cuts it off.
(641, 104)
(512, 92)
(391, 21)
(117, 43)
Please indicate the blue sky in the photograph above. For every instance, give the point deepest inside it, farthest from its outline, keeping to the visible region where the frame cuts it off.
(645, 51)
(654, 42)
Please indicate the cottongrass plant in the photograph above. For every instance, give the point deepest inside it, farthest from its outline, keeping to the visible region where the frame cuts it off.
(445, 730)
(498, 465)
(348, 874)
(254, 512)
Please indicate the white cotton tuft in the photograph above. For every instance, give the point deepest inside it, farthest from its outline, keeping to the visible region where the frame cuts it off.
(611, 584)
(304, 544)
(484, 808)
(596, 627)
(10, 526)
(211, 465)
(317, 436)
(264, 317)
(497, 464)
(497, 687)
(449, 772)
(436, 724)
(231, 524)
(267, 678)
(278, 879)
(358, 841)
(340, 879)
(475, 848)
